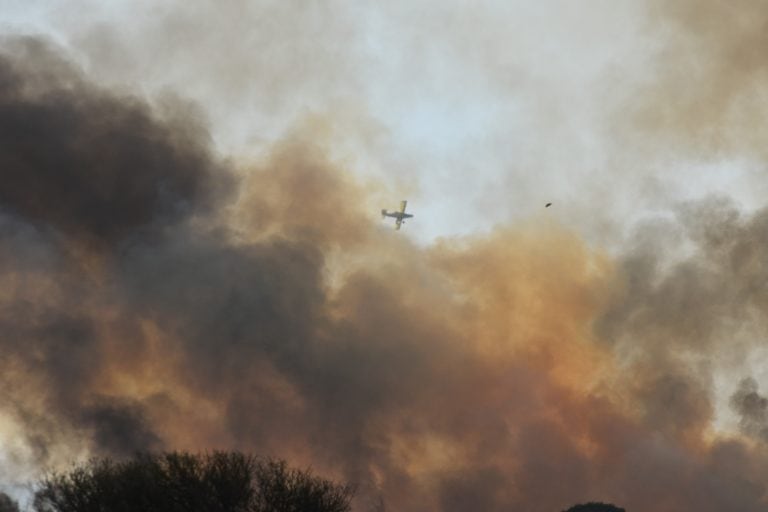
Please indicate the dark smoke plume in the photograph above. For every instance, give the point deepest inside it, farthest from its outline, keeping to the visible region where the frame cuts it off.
(85, 174)
(86, 162)
(752, 407)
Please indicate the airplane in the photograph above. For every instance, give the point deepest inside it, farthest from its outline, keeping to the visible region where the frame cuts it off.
(400, 216)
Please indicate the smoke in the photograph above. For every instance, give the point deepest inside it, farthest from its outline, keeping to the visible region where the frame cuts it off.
(752, 407)
(87, 173)
(706, 86)
(107, 169)
(153, 296)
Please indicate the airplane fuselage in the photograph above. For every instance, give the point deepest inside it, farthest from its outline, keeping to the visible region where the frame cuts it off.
(399, 216)
(396, 215)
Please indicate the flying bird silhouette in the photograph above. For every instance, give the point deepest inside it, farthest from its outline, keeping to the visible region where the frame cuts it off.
(547, 205)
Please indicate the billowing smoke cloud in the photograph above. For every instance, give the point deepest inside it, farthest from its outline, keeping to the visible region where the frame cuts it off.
(86, 175)
(84, 162)
(752, 407)
(149, 300)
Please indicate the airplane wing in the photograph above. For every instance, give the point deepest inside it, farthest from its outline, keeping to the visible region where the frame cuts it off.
(398, 223)
(402, 206)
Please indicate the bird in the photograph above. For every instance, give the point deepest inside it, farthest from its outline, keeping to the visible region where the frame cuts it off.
(547, 205)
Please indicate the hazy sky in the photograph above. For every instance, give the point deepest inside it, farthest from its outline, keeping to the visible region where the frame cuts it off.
(191, 191)
(478, 114)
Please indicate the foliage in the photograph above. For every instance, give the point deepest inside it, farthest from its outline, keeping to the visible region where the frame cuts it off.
(8, 504)
(183, 482)
(595, 507)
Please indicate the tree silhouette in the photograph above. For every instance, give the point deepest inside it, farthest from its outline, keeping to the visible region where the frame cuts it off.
(182, 482)
(8, 504)
(595, 507)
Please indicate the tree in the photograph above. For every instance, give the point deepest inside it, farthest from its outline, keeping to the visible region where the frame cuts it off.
(182, 482)
(595, 507)
(8, 504)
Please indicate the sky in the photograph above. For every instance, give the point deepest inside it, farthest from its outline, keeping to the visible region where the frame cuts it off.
(189, 228)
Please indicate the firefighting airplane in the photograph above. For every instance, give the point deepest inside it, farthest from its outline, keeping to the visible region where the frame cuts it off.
(400, 216)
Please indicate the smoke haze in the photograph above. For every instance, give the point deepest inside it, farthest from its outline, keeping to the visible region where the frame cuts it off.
(157, 294)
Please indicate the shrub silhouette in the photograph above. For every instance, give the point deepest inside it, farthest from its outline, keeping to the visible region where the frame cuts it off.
(7, 504)
(595, 507)
(183, 482)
